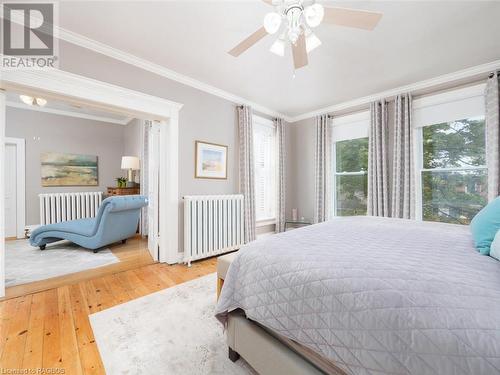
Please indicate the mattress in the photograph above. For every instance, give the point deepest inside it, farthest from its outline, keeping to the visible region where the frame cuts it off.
(374, 295)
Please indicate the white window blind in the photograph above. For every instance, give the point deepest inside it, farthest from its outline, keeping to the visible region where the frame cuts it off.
(449, 106)
(264, 139)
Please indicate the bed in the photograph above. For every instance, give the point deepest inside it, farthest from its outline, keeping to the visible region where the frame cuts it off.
(370, 296)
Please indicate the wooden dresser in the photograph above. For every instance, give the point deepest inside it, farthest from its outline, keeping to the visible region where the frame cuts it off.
(123, 191)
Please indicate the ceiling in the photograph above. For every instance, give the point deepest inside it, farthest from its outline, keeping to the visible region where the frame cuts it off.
(63, 108)
(414, 41)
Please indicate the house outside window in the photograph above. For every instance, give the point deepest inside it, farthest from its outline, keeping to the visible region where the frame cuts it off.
(451, 171)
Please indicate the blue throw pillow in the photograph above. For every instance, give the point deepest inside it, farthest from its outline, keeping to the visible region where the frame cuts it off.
(485, 225)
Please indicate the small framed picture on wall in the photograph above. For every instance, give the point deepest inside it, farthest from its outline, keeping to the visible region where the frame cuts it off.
(211, 160)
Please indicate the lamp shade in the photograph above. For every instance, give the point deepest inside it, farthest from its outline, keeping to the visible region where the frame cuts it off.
(131, 162)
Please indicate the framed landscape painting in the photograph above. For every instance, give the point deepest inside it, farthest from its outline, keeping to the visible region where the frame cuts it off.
(211, 160)
(59, 169)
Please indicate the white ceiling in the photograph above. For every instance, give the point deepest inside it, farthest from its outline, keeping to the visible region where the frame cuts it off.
(415, 40)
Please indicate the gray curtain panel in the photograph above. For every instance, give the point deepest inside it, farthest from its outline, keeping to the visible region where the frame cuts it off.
(378, 165)
(493, 135)
(146, 126)
(322, 186)
(403, 177)
(247, 180)
(281, 177)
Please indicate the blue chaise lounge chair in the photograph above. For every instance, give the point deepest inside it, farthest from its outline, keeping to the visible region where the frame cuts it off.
(116, 220)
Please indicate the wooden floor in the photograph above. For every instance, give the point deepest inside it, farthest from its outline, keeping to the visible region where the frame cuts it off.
(133, 254)
(51, 329)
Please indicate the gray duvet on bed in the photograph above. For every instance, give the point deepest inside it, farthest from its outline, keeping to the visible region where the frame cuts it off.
(375, 295)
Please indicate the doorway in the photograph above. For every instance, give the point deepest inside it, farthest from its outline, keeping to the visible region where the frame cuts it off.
(14, 188)
(80, 91)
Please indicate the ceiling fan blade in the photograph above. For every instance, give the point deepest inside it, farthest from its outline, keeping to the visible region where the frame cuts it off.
(361, 19)
(300, 53)
(248, 42)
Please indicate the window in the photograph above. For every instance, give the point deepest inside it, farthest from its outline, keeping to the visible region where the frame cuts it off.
(452, 170)
(351, 177)
(350, 164)
(264, 139)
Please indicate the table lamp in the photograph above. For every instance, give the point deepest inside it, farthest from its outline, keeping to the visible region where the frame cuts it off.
(131, 164)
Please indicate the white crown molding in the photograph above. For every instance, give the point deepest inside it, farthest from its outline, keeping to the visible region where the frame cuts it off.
(104, 49)
(468, 74)
(68, 113)
(74, 88)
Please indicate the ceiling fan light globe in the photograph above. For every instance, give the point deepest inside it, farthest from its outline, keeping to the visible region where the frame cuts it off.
(312, 42)
(41, 102)
(314, 15)
(278, 48)
(29, 100)
(272, 22)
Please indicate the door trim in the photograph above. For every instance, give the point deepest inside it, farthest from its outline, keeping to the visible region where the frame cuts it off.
(20, 144)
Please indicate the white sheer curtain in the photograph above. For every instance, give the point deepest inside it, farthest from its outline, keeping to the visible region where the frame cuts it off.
(403, 175)
(247, 180)
(281, 177)
(322, 186)
(493, 135)
(378, 163)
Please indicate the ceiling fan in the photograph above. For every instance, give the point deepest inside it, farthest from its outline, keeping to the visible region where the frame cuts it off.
(295, 19)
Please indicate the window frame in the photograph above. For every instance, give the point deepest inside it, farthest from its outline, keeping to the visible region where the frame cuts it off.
(351, 127)
(261, 121)
(458, 104)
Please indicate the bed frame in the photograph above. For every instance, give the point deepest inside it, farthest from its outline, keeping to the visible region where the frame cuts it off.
(265, 353)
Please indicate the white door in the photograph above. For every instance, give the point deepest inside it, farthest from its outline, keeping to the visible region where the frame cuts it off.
(10, 190)
(153, 189)
(14, 187)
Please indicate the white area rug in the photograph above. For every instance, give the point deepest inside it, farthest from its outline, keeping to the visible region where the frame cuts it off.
(24, 263)
(172, 331)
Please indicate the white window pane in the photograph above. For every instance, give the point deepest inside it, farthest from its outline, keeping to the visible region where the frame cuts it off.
(264, 164)
(453, 196)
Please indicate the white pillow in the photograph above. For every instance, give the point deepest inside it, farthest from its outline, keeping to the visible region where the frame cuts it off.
(495, 247)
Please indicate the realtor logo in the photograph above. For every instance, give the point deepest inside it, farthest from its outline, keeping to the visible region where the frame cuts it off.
(28, 35)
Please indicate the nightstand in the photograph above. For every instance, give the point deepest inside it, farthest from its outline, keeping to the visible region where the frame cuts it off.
(124, 190)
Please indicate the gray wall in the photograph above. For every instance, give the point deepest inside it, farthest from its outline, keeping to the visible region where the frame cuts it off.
(68, 135)
(300, 176)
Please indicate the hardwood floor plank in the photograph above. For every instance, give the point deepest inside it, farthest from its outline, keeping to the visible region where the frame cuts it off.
(33, 352)
(7, 315)
(70, 354)
(105, 298)
(120, 291)
(16, 334)
(89, 354)
(52, 357)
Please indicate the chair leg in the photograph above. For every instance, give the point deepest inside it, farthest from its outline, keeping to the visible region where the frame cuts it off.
(42, 247)
(233, 355)
(220, 283)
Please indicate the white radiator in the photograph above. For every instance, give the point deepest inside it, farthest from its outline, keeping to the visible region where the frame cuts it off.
(213, 224)
(57, 207)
